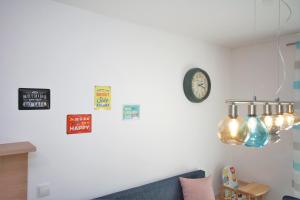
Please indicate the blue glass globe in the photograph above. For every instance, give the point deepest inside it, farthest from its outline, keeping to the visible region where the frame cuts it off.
(258, 133)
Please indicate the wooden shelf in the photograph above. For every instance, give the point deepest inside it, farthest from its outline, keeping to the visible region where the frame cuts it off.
(16, 148)
(14, 170)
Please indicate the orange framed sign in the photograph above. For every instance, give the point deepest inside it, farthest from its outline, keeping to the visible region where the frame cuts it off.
(79, 123)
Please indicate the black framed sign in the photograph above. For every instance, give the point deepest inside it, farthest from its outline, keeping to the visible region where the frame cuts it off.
(34, 99)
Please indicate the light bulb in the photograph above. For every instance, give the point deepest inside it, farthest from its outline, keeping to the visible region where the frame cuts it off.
(268, 120)
(258, 132)
(252, 123)
(279, 120)
(232, 129)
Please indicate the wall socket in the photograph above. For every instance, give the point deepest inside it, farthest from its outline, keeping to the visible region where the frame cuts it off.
(43, 190)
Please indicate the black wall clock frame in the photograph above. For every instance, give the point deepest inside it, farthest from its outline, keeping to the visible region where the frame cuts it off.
(187, 85)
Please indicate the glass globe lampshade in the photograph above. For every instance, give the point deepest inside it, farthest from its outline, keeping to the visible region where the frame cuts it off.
(274, 138)
(290, 117)
(232, 129)
(258, 132)
(269, 121)
(281, 120)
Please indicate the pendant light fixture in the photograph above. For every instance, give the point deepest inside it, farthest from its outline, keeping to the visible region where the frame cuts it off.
(257, 131)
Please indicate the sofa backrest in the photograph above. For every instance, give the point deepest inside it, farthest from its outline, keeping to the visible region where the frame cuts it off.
(289, 198)
(166, 189)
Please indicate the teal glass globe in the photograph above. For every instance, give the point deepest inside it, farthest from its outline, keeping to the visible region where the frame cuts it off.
(258, 133)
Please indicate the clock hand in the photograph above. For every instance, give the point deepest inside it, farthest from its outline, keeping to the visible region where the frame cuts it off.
(201, 85)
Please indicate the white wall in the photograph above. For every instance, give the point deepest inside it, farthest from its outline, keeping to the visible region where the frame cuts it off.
(45, 44)
(255, 68)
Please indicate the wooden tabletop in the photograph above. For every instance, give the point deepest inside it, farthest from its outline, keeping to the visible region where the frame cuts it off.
(16, 148)
(254, 189)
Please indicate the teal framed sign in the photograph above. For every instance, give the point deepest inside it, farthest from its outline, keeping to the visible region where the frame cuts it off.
(131, 112)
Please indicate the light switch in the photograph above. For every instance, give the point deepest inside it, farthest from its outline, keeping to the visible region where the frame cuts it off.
(43, 190)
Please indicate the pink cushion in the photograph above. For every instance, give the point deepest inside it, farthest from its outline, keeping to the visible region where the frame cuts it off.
(197, 189)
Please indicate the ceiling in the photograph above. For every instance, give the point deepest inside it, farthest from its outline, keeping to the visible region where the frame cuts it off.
(229, 23)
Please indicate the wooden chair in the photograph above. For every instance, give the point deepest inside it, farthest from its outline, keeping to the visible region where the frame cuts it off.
(252, 191)
(232, 188)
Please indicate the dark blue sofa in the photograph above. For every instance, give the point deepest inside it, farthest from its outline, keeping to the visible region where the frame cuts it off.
(166, 189)
(289, 198)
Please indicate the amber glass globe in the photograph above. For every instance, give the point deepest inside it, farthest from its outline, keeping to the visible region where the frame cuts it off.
(233, 131)
(297, 120)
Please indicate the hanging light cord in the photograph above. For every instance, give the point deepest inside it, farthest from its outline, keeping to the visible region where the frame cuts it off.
(290, 10)
(279, 47)
(255, 30)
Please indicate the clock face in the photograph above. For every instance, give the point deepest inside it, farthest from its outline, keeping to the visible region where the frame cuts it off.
(199, 85)
(196, 85)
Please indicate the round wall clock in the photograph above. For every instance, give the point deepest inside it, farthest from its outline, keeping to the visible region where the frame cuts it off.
(196, 85)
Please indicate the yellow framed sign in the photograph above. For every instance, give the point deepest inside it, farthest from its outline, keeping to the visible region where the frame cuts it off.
(102, 98)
